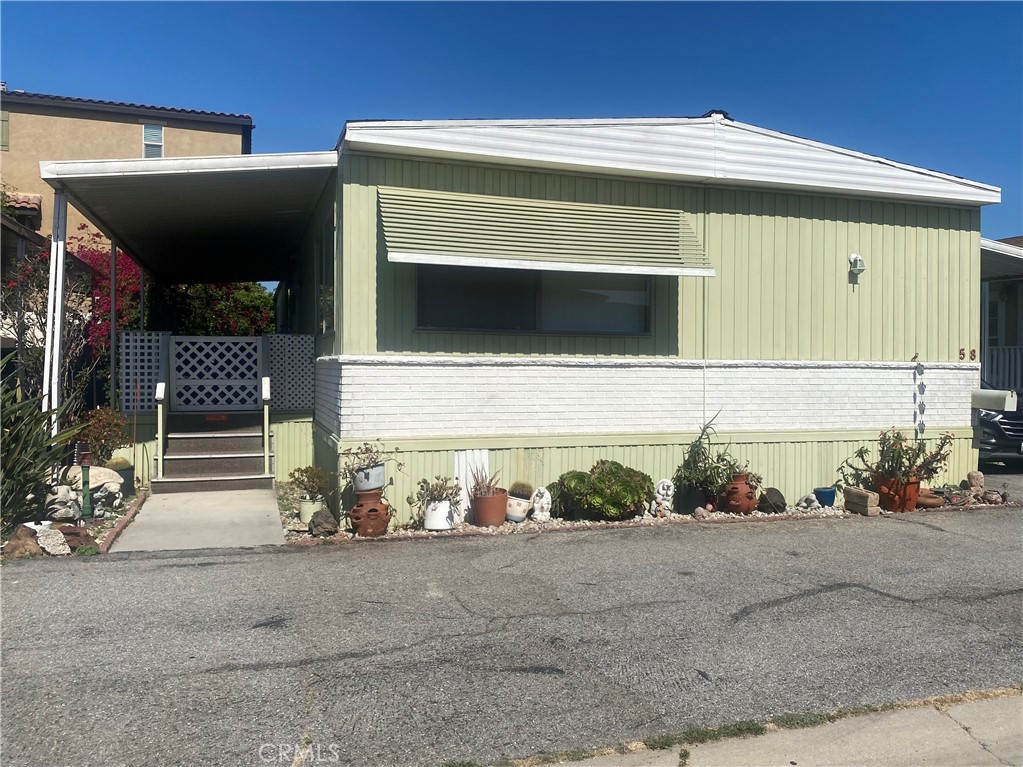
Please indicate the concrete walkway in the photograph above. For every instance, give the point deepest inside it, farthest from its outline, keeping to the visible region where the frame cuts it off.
(986, 732)
(212, 520)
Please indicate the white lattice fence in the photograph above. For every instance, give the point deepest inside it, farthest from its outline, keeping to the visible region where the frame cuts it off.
(143, 353)
(292, 362)
(215, 373)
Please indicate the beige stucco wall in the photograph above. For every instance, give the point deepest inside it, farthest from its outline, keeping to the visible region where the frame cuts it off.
(36, 137)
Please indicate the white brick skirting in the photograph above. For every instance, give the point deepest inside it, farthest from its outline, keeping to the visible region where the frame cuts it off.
(409, 397)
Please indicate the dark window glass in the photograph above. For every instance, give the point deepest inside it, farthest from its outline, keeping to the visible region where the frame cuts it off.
(467, 298)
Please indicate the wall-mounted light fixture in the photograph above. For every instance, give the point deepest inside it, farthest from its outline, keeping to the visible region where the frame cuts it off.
(857, 266)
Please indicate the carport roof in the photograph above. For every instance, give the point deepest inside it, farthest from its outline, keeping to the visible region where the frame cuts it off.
(200, 219)
(1000, 260)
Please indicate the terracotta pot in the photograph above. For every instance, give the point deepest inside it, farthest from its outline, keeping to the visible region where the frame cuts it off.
(490, 510)
(895, 495)
(739, 496)
(371, 514)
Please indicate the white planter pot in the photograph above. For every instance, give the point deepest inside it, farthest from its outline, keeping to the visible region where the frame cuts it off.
(369, 478)
(306, 509)
(518, 508)
(439, 516)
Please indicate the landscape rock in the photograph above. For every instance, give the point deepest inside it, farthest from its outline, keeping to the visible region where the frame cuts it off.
(52, 542)
(77, 537)
(104, 483)
(860, 501)
(772, 502)
(991, 496)
(323, 524)
(808, 501)
(22, 543)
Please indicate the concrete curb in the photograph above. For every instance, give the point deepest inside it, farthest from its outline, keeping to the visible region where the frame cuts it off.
(123, 522)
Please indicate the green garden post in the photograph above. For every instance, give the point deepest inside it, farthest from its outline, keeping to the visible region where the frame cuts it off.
(86, 462)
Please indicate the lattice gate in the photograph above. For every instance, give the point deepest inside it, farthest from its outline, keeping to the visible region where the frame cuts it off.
(215, 373)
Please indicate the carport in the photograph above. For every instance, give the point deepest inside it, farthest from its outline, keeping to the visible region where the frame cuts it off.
(184, 220)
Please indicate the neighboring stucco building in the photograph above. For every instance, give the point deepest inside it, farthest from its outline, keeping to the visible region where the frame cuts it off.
(36, 126)
(538, 294)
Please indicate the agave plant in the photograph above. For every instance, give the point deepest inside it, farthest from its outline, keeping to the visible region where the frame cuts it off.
(30, 452)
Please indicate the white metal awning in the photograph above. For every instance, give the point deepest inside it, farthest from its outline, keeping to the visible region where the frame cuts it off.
(200, 219)
(429, 227)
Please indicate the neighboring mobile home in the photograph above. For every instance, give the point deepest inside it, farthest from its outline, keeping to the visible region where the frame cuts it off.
(539, 294)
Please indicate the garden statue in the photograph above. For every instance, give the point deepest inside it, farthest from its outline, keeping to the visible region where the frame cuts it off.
(664, 492)
(63, 504)
(808, 502)
(542, 505)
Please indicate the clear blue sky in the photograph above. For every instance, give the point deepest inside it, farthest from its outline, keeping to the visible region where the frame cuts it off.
(939, 85)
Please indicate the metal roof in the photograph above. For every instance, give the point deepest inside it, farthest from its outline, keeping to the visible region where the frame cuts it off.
(710, 150)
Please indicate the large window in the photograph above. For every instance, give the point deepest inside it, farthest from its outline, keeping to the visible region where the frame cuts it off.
(513, 300)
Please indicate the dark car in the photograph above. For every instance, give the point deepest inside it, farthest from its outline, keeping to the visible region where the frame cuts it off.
(1001, 433)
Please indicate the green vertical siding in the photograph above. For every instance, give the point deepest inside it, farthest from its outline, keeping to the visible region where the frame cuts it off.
(782, 290)
(292, 441)
(793, 462)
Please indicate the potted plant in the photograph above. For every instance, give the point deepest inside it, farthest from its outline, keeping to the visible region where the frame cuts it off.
(520, 496)
(434, 503)
(312, 482)
(741, 493)
(703, 473)
(900, 467)
(489, 501)
(609, 490)
(365, 465)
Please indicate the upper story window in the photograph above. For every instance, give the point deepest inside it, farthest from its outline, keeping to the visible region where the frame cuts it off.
(152, 141)
(525, 301)
(5, 131)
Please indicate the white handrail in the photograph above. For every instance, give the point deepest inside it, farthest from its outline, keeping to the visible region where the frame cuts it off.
(265, 396)
(161, 392)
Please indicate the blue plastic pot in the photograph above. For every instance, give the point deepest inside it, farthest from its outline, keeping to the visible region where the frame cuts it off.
(825, 495)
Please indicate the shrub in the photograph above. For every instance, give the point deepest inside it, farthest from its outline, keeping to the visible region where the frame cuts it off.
(521, 490)
(119, 463)
(105, 431)
(311, 480)
(30, 452)
(610, 491)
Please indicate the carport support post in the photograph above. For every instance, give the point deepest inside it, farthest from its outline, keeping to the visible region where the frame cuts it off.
(113, 324)
(142, 298)
(55, 311)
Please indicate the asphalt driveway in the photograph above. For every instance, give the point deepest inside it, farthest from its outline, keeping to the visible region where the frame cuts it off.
(416, 653)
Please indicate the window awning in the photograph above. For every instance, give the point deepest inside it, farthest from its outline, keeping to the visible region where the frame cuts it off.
(428, 227)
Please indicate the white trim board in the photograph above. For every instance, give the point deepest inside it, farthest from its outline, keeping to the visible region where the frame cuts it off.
(552, 266)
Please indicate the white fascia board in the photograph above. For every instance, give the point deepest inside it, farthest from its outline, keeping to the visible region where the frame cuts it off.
(399, 257)
(55, 171)
(1001, 247)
